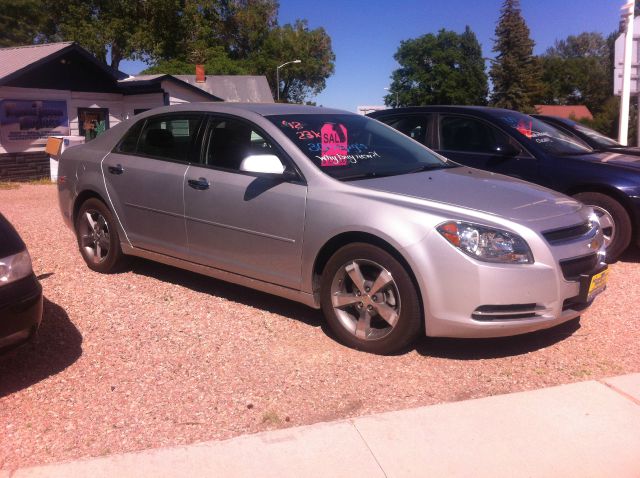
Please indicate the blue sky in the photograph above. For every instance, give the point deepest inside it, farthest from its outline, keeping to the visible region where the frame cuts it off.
(366, 34)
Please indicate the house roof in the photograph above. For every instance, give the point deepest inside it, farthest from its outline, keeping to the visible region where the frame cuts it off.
(140, 83)
(15, 61)
(569, 111)
(234, 88)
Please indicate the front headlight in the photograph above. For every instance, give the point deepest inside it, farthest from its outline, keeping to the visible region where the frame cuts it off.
(15, 267)
(486, 243)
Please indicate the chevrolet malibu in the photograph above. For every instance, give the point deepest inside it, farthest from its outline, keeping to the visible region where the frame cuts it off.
(336, 211)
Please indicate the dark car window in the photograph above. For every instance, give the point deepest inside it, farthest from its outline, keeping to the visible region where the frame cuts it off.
(533, 131)
(414, 126)
(229, 141)
(10, 242)
(463, 133)
(169, 137)
(349, 146)
(597, 137)
(129, 142)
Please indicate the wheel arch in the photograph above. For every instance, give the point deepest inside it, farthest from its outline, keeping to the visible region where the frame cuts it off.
(335, 243)
(82, 198)
(615, 194)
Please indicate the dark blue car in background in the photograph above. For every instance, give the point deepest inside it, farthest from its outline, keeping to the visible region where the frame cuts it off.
(518, 145)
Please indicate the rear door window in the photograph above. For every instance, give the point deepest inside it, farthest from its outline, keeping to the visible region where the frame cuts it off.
(415, 126)
(463, 133)
(169, 137)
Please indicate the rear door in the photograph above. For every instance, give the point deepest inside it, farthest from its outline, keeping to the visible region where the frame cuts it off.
(242, 222)
(475, 142)
(145, 177)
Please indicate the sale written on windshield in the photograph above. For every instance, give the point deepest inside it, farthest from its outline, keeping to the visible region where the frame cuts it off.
(348, 145)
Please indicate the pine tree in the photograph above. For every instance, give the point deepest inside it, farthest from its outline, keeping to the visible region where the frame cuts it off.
(515, 73)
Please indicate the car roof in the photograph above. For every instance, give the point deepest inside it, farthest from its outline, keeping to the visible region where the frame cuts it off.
(263, 109)
(483, 110)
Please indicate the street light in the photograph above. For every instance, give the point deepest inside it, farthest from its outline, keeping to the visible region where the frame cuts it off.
(278, 77)
(390, 91)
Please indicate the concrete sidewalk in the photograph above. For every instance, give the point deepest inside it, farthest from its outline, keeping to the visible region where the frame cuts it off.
(588, 429)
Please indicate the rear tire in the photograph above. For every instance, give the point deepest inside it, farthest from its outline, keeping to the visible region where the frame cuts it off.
(98, 240)
(369, 300)
(614, 220)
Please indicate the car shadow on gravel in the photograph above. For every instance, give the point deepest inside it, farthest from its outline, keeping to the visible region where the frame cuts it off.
(236, 293)
(57, 345)
(477, 349)
(631, 255)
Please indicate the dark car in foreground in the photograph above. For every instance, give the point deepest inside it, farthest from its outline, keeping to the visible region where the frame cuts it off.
(518, 145)
(20, 291)
(337, 211)
(596, 140)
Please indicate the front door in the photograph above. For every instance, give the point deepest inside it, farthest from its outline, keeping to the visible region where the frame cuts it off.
(476, 143)
(145, 178)
(241, 222)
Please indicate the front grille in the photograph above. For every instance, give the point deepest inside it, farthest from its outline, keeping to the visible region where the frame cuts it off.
(506, 312)
(567, 234)
(573, 268)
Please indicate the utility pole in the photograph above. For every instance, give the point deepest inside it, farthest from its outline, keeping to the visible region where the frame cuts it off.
(623, 127)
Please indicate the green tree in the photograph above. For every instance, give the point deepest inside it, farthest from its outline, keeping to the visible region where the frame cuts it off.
(21, 22)
(298, 81)
(446, 68)
(515, 74)
(578, 71)
(123, 29)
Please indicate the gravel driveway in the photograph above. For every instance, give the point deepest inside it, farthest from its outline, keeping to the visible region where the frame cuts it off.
(157, 356)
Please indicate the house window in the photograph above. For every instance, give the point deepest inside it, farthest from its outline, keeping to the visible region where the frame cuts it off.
(92, 122)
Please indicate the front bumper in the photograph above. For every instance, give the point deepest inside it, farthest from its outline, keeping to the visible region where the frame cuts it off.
(20, 311)
(467, 298)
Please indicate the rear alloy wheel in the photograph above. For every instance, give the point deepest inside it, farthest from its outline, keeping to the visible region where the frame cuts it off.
(614, 221)
(98, 237)
(369, 300)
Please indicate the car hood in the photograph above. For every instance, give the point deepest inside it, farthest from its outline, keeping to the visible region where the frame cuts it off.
(631, 161)
(479, 191)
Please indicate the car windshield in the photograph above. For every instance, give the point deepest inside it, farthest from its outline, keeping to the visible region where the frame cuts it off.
(349, 146)
(598, 138)
(545, 136)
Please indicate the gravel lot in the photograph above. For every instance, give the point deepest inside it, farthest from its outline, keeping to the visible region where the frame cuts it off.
(157, 356)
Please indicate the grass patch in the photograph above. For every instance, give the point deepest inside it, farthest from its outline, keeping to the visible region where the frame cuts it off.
(271, 417)
(16, 184)
(9, 185)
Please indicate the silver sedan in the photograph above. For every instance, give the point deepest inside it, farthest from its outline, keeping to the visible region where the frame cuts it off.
(336, 211)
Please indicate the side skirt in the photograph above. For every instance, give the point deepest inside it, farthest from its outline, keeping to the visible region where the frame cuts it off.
(291, 294)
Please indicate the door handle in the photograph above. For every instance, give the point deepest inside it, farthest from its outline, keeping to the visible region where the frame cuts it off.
(117, 169)
(200, 184)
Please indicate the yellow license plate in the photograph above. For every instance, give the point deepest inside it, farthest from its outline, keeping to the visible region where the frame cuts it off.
(598, 284)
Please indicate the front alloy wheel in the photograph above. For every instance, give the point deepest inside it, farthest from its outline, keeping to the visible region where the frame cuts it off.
(370, 300)
(365, 299)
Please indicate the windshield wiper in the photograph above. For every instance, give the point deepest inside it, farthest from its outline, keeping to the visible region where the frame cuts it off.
(368, 175)
(430, 167)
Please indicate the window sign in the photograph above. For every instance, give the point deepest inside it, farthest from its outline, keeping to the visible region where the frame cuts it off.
(32, 121)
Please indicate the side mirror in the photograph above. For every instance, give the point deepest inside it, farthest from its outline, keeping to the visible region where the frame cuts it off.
(262, 164)
(507, 150)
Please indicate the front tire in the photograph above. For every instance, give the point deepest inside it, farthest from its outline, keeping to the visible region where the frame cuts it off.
(614, 221)
(369, 300)
(97, 236)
